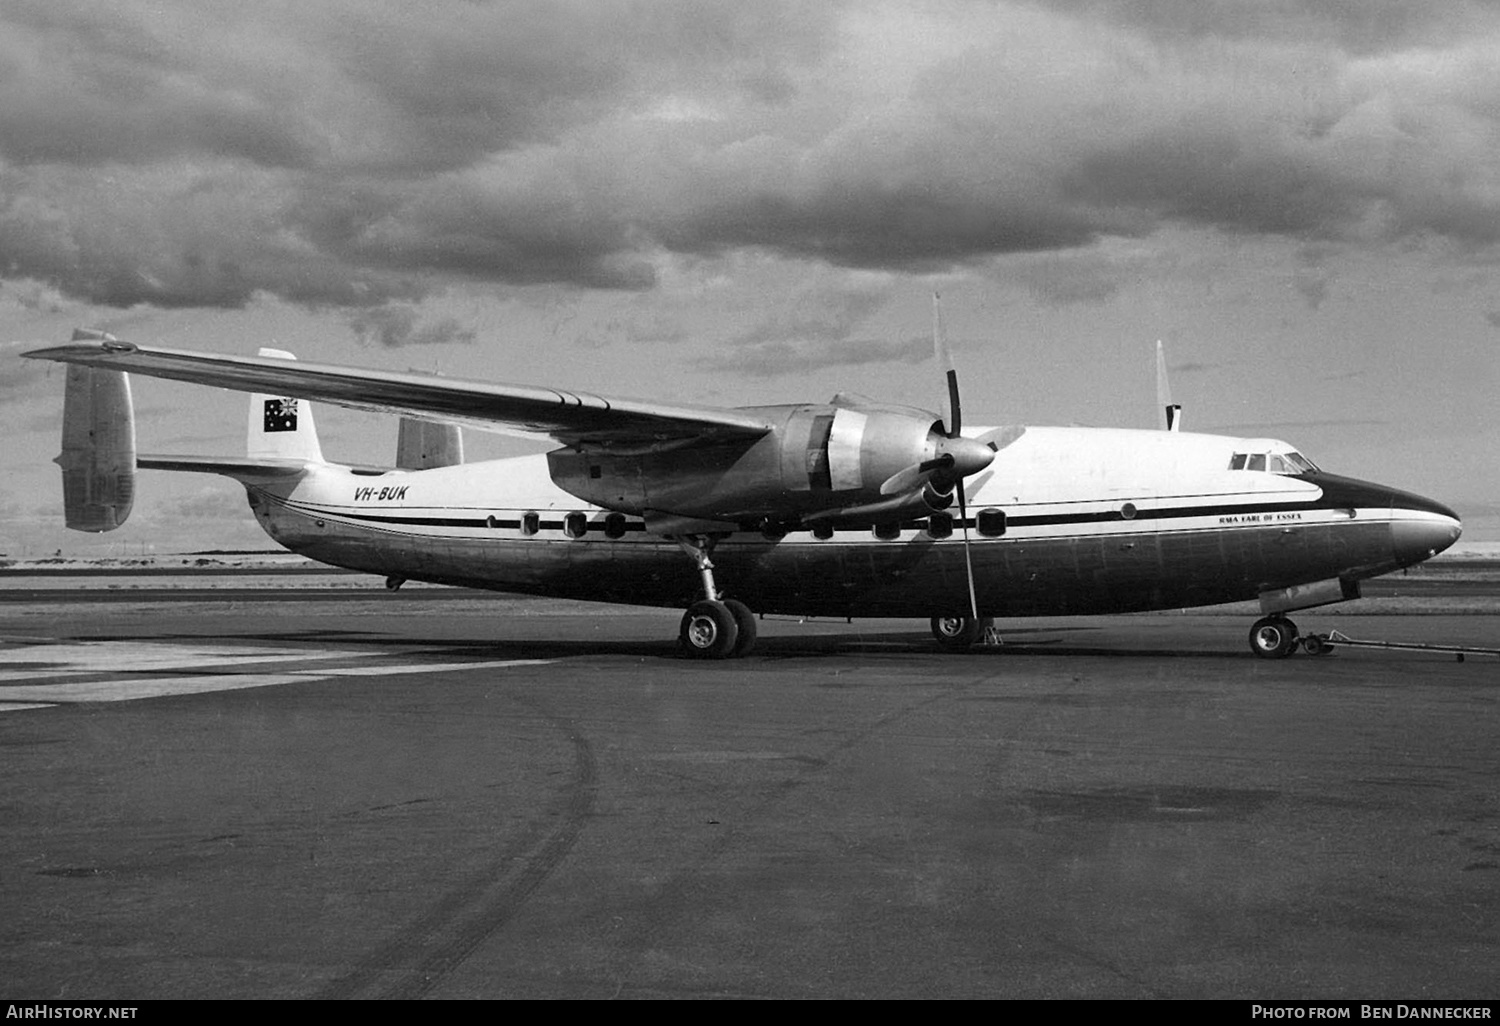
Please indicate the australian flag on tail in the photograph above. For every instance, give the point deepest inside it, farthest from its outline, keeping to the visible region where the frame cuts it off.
(281, 415)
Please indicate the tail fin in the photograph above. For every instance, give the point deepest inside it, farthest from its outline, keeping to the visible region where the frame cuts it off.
(423, 444)
(98, 449)
(281, 427)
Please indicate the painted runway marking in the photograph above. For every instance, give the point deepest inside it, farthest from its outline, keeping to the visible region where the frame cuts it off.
(45, 675)
(31, 661)
(386, 671)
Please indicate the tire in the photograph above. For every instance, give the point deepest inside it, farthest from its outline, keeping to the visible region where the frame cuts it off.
(1273, 637)
(957, 633)
(744, 621)
(708, 631)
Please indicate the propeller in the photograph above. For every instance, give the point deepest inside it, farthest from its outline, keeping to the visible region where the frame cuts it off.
(954, 457)
(953, 422)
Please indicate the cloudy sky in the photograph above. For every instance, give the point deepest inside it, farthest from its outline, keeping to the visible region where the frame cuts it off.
(743, 203)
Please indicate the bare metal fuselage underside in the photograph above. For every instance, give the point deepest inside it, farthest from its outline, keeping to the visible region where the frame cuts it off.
(1150, 564)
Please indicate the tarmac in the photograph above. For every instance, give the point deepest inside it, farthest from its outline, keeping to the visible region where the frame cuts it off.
(231, 796)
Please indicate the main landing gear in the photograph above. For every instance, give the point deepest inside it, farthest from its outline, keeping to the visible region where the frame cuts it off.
(713, 628)
(958, 633)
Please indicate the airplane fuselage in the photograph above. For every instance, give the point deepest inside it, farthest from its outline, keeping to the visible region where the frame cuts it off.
(1064, 521)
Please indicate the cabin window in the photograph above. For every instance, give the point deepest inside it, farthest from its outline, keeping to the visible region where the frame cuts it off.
(614, 525)
(824, 531)
(1128, 511)
(575, 525)
(939, 525)
(888, 531)
(531, 523)
(491, 522)
(991, 522)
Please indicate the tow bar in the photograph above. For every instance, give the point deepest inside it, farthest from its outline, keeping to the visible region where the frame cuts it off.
(1322, 644)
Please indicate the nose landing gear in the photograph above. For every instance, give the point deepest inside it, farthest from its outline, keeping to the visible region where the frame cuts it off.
(1273, 637)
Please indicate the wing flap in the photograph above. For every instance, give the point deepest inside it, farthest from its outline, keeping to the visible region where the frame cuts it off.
(572, 418)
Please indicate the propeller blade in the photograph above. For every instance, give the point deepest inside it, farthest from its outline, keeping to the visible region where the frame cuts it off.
(952, 414)
(963, 520)
(913, 477)
(1171, 418)
(969, 456)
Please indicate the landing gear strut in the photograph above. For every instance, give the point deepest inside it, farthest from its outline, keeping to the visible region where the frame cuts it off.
(713, 628)
(1273, 637)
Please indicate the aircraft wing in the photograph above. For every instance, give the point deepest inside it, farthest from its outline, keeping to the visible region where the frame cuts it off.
(572, 418)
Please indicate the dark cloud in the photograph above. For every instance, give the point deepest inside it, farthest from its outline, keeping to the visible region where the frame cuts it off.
(819, 315)
(357, 154)
(1059, 281)
(1196, 367)
(1358, 26)
(780, 358)
(394, 326)
(815, 327)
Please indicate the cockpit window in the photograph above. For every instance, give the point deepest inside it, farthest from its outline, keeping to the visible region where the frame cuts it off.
(1289, 462)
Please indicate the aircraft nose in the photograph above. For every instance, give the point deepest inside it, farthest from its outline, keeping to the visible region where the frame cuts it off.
(1421, 531)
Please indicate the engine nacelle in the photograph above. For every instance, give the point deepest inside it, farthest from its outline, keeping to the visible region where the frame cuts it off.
(816, 458)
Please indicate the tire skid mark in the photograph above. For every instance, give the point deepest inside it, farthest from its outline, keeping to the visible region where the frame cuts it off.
(808, 773)
(418, 958)
(804, 775)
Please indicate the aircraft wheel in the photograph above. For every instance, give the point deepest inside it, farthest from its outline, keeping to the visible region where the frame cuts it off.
(1273, 637)
(744, 621)
(957, 633)
(709, 631)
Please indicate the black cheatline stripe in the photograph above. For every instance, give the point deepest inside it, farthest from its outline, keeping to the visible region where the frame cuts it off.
(1169, 513)
(1012, 521)
(593, 526)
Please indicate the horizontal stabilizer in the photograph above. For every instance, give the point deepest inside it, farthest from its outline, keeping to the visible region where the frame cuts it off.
(98, 449)
(240, 468)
